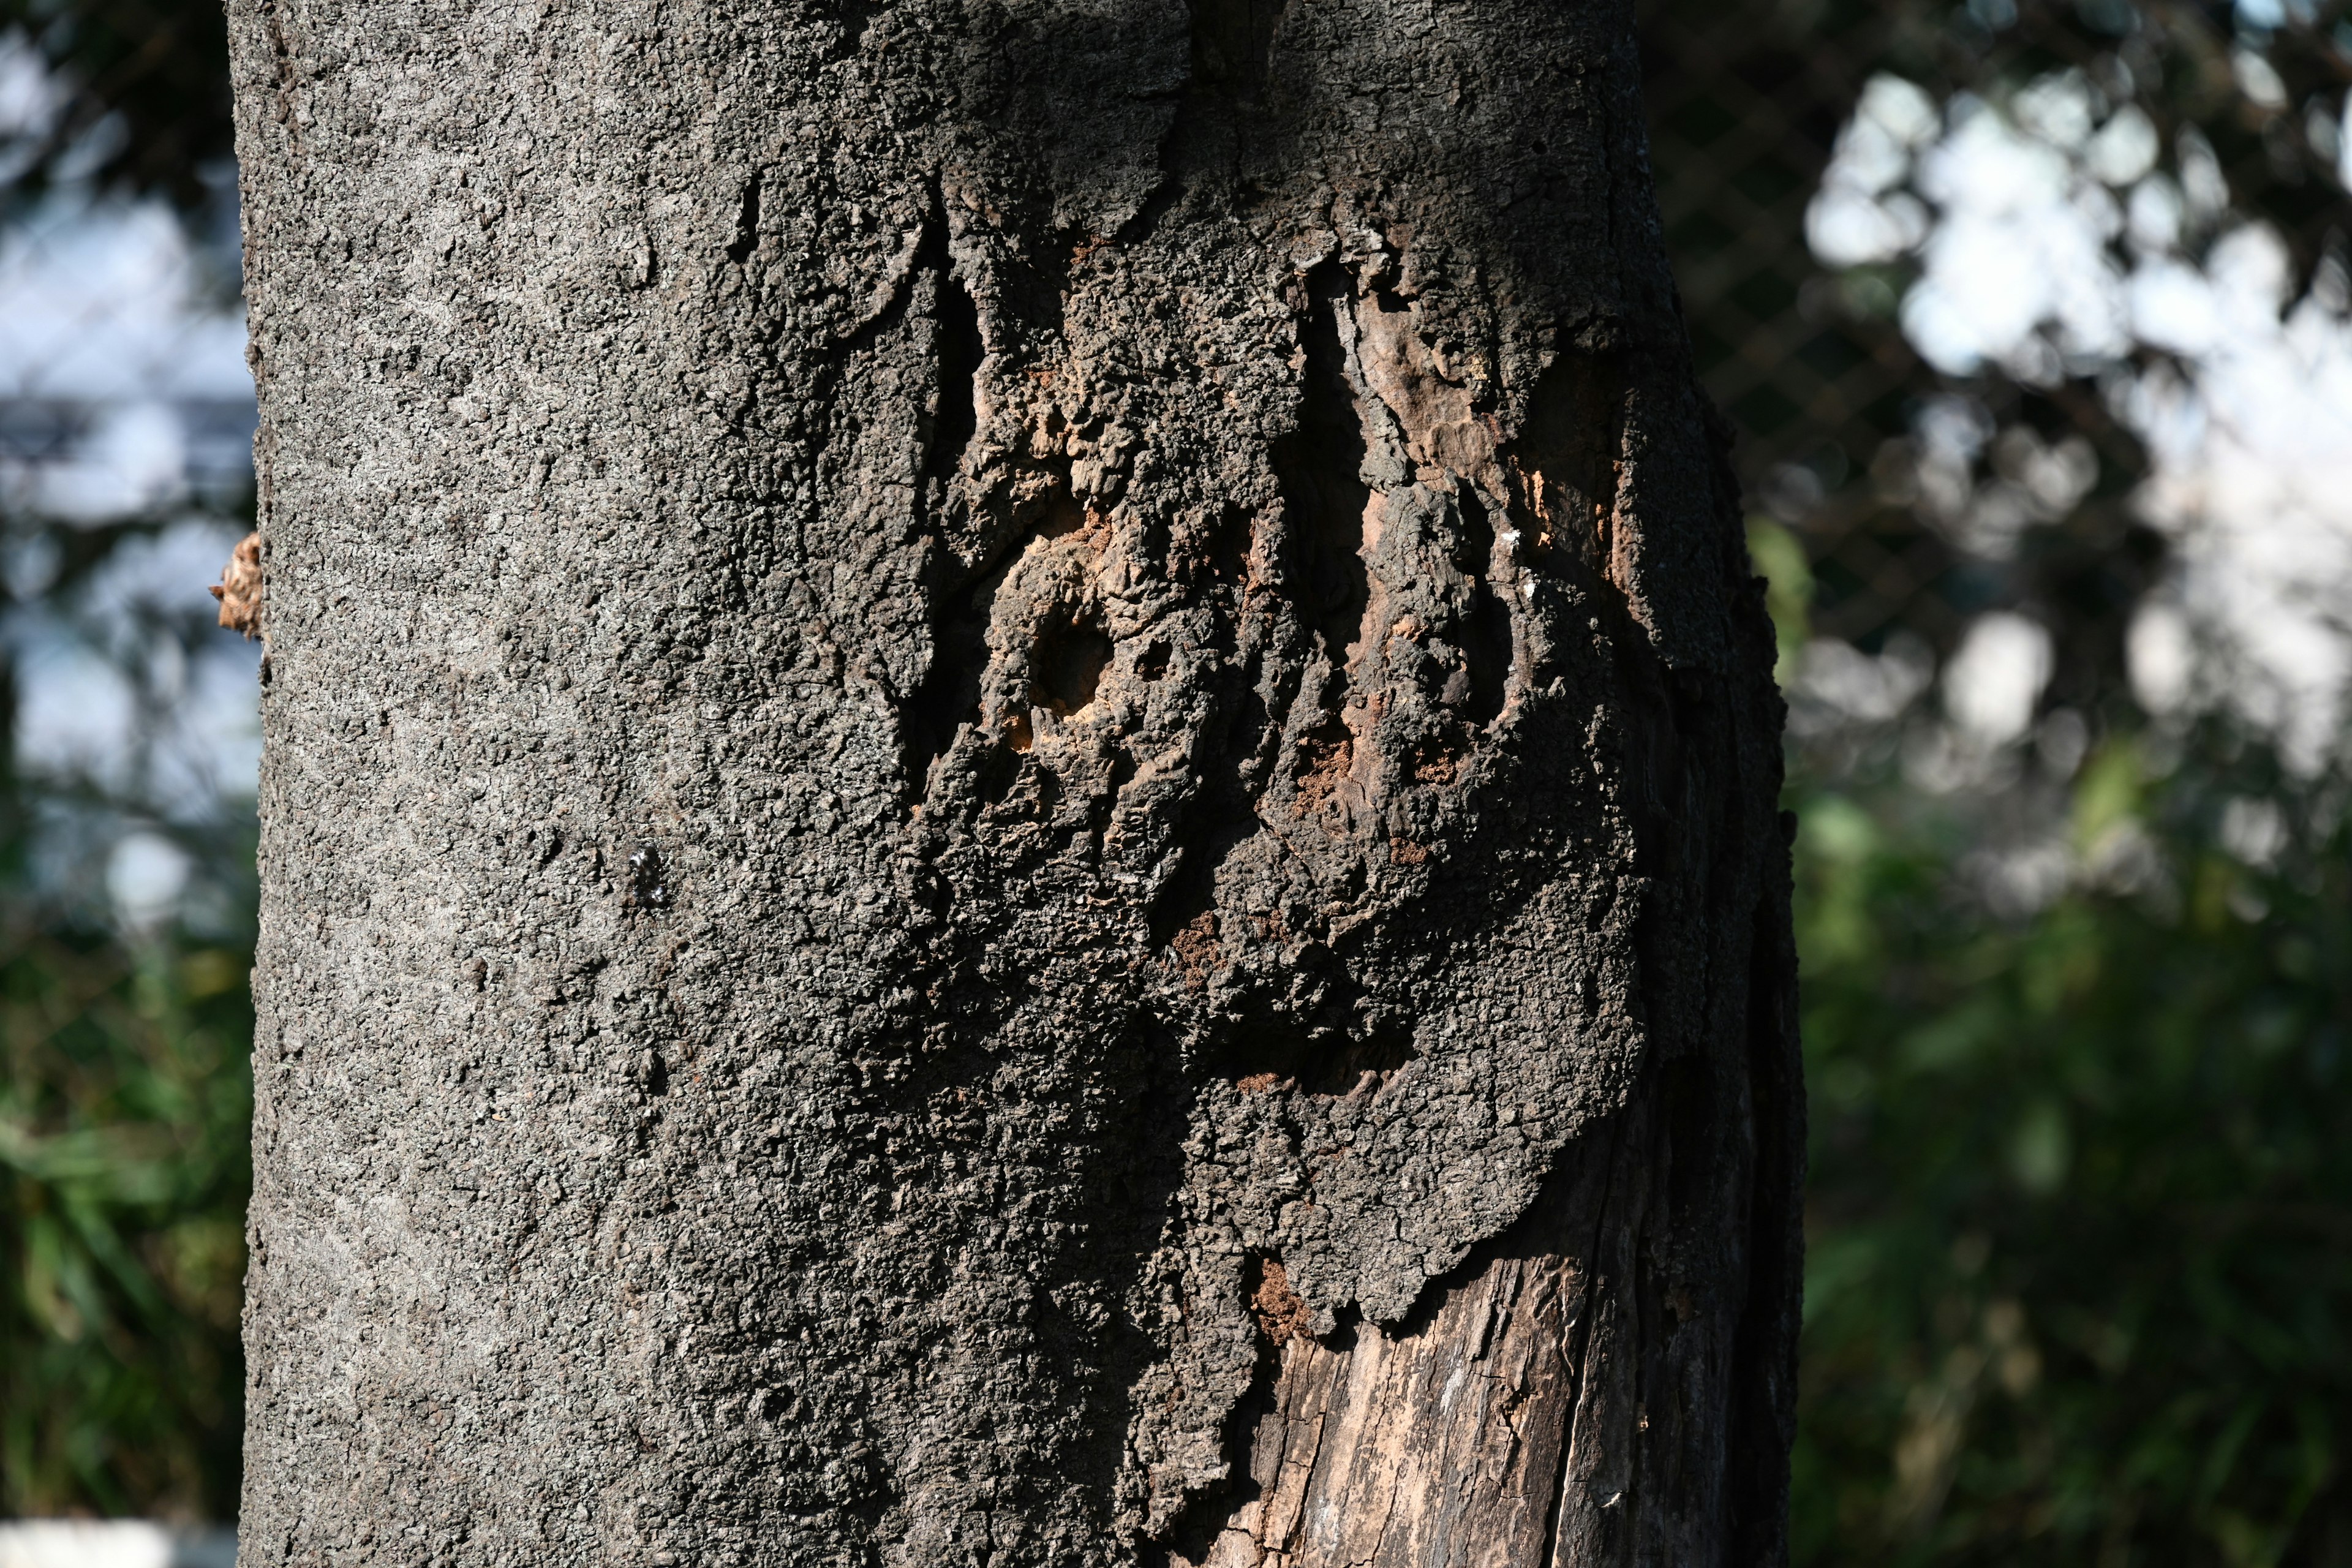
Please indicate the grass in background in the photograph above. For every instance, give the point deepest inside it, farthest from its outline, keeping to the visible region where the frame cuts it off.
(2080, 1284)
(124, 1101)
(2079, 1274)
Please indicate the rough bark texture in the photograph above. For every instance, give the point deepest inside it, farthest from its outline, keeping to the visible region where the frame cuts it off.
(1019, 797)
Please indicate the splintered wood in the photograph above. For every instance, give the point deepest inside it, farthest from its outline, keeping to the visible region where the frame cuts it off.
(1411, 1445)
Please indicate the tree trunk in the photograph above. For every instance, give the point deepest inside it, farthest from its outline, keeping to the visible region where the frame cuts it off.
(1019, 797)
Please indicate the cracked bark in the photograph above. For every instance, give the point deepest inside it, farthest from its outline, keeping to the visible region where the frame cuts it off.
(1018, 800)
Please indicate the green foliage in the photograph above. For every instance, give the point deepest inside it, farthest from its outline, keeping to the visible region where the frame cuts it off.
(2078, 1287)
(124, 1098)
(2079, 1282)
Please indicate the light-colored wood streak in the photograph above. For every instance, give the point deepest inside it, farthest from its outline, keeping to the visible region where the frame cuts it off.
(1446, 1441)
(1565, 1400)
(1467, 1414)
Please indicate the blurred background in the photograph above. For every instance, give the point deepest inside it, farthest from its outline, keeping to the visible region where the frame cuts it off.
(2034, 320)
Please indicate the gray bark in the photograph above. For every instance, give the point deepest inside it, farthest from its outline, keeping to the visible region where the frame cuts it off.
(1019, 797)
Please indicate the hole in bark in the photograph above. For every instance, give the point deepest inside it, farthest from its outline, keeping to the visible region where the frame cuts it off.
(1487, 637)
(1320, 466)
(1066, 666)
(948, 697)
(1276, 1053)
(1228, 551)
(1325, 754)
(855, 16)
(746, 223)
(649, 881)
(1566, 455)
(1251, 740)
(1157, 206)
(1189, 901)
(961, 350)
(1281, 1315)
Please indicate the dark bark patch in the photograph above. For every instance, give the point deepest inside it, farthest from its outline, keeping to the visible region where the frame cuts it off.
(1232, 45)
(1321, 466)
(1067, 666)
(1566, 458)
(956, 413)
(746, 223)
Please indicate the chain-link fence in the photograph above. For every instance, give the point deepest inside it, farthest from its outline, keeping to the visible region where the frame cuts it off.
(1925, 496)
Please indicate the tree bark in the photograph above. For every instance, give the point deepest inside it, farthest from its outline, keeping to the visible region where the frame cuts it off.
(1019, 797)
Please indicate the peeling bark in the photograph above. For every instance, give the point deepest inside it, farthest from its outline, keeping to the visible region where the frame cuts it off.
(1018, 801)
(239, 589)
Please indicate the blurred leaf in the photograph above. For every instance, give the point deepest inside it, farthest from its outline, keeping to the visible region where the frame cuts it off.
(2080, 1287)
(124, 1109)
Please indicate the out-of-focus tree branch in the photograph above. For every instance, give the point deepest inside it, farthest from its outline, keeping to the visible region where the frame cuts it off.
(145, 100)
